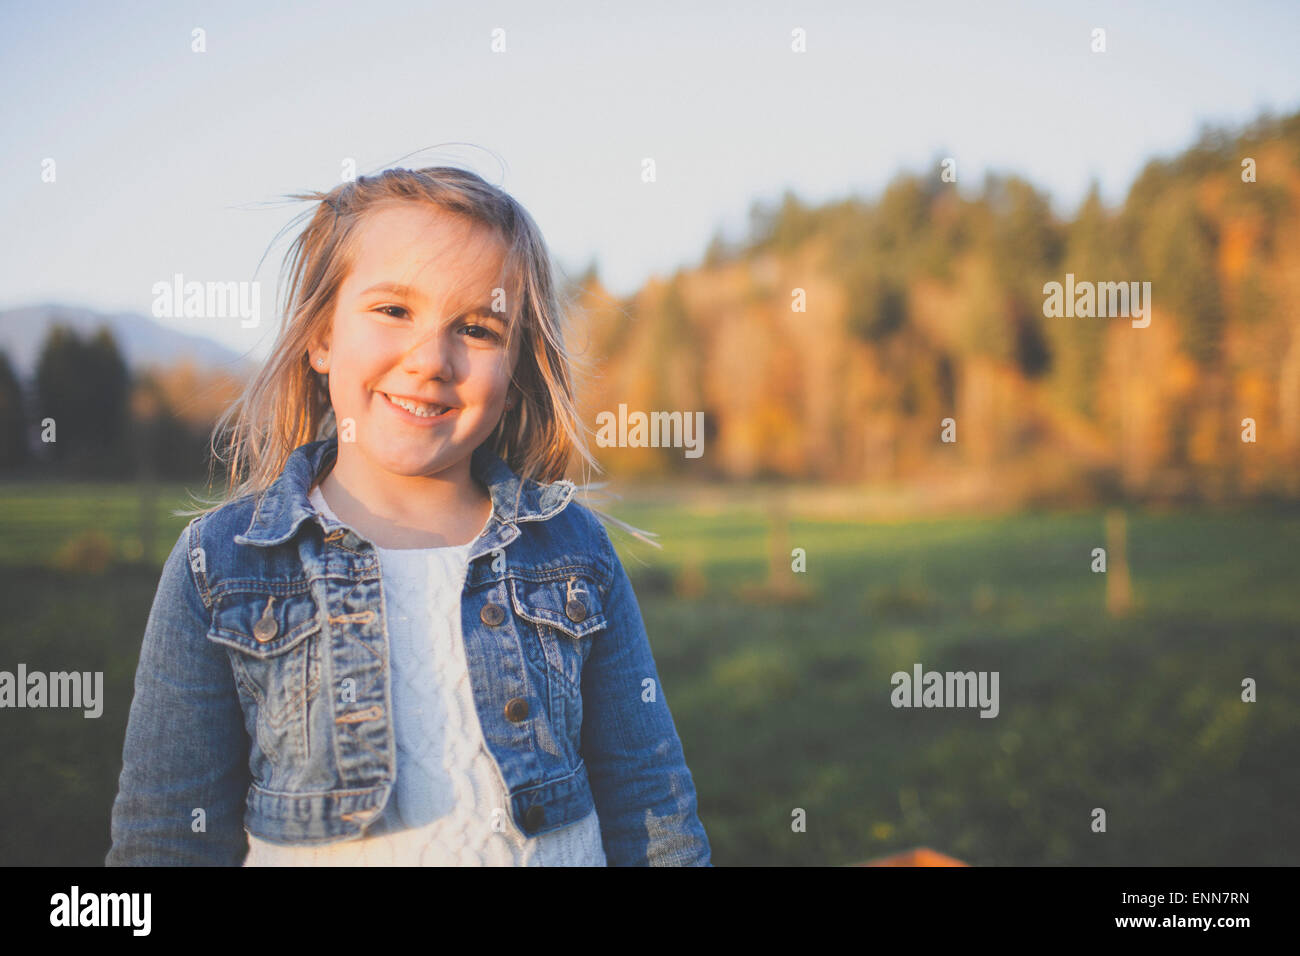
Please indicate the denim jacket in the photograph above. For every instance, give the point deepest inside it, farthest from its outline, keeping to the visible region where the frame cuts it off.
(263, 699)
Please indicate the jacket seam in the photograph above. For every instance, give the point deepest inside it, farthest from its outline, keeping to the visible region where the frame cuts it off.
(318, 794)
(555, 782)
(260, 586)
(610, 558)
(542, 575)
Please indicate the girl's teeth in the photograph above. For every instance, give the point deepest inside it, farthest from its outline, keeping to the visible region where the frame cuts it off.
(424, 411)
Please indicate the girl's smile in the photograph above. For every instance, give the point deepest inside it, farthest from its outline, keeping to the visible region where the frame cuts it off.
(418, 413)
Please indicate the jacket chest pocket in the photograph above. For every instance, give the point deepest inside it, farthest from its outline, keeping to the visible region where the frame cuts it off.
(273, 632)
(565, 617)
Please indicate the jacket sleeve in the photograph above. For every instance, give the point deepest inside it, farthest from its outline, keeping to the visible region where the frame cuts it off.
(644, 794)
(186, 749)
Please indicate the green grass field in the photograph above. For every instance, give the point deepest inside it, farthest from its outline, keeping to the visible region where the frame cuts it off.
(785, 705)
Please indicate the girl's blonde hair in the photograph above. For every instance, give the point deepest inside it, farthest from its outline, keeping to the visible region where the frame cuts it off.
(287, 404)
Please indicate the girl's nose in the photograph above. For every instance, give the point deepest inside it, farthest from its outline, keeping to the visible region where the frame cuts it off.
(429, 357)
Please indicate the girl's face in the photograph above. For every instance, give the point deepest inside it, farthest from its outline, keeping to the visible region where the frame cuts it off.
(413, 320)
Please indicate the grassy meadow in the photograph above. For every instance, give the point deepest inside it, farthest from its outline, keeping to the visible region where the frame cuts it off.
(782, 700)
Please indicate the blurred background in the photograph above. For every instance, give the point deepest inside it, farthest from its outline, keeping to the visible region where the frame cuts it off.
(829, 231)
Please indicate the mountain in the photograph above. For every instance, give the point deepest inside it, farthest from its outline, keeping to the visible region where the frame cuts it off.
(141, 339)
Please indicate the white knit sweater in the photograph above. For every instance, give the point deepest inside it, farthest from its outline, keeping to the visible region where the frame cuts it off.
(449, 806)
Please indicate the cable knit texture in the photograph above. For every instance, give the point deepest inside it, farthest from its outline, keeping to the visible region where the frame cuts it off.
(449, 806)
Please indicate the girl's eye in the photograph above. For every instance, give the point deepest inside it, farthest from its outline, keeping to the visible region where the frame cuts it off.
(485, 334)
(488, 334)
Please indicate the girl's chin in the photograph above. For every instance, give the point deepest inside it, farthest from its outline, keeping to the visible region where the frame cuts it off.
(415, 466)
(401, 453)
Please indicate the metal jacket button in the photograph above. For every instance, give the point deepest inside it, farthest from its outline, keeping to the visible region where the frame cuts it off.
(266, 626)
(492, 614)
(516, 709)
(576, 610)
(534, 817)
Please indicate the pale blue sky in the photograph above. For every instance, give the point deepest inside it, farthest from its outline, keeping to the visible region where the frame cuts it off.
(166, 158)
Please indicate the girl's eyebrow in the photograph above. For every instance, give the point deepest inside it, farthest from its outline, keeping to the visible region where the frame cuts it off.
(396, 288)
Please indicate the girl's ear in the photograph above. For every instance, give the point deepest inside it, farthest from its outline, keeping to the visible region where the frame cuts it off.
(318, 355)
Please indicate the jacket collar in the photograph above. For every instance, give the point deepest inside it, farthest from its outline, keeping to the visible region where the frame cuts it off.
(285, 505)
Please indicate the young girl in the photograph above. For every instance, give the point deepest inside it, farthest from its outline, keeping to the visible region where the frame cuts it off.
(399, 639)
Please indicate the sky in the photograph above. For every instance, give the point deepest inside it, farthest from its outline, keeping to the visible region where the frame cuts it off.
(171, 161)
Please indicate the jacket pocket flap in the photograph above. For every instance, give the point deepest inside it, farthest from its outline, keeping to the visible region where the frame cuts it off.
(263, 623)
(571, 604)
